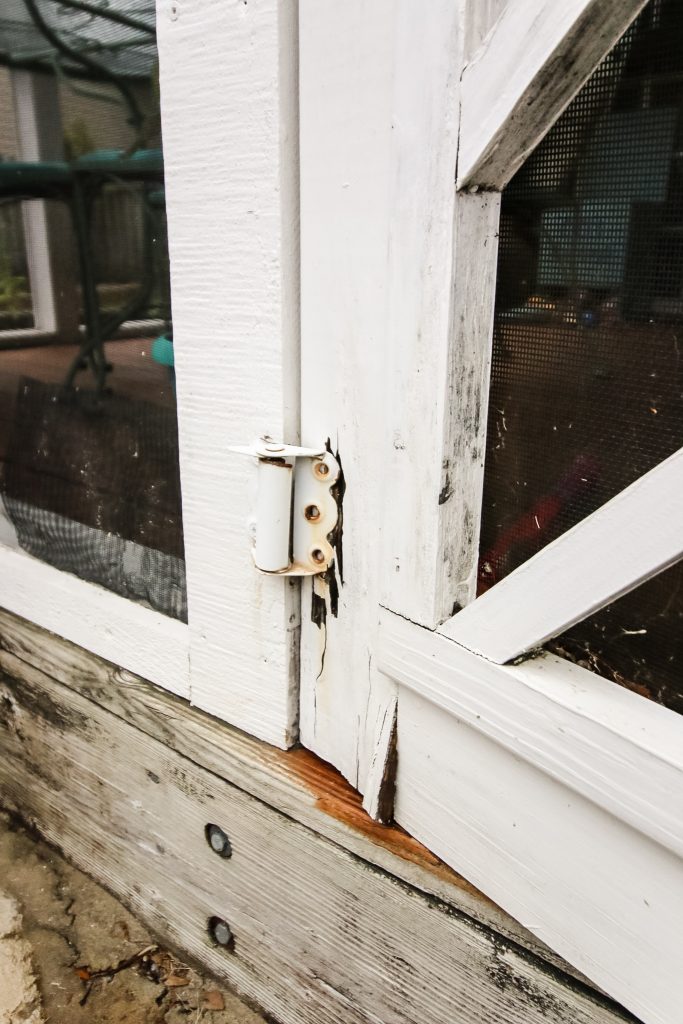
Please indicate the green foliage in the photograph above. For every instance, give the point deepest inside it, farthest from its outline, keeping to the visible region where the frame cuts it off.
(77, 139)
(14, 295)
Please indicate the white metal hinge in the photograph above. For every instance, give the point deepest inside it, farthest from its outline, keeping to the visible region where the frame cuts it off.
(296, 510)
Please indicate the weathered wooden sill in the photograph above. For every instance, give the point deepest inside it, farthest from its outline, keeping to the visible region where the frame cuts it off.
(335, 917)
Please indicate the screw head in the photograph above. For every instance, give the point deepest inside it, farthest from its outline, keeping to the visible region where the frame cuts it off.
(219, 931)
(321, 469)
(312, 513)
(318, 556)
(218, 840)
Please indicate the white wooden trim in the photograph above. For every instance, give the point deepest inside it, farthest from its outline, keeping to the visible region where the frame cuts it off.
(480, 17)
(622, 752)
(395, 342)
(558, 794)
(442, 267)
(48, 230)
(346, 60)
(128, 634)
(229, 112)
(537, 56)
(631, 538)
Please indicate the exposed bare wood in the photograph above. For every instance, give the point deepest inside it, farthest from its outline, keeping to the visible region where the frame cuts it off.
(319, 936)
(527, 70)
(466, 402)
(378, 799)
(295, 783)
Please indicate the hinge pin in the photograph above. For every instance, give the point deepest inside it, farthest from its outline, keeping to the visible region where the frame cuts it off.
(293, 480)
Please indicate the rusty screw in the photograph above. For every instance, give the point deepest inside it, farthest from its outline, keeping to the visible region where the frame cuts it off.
(312, 513)
(218, 841)
(318, 556)
(321, 469)
(219, 932)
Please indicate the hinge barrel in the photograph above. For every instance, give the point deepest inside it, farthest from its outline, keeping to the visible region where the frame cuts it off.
(296, 509)
(273, 514)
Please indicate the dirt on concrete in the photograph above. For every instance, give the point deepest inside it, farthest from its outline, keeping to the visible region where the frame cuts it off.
(70, 953)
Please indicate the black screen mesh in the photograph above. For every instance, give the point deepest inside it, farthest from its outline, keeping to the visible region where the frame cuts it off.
(587, 377)
(89, 475)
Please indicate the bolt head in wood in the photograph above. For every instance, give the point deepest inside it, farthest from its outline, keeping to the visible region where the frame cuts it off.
(219, 931)
(218, 840)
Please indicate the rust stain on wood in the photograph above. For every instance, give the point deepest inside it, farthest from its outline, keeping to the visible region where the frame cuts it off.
(336, 797)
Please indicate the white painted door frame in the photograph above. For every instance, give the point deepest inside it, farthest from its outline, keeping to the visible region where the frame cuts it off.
(228, 77)
(556, 792)
(398, 280)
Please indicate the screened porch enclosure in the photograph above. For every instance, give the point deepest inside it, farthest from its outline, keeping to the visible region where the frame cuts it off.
(89, 477)
(587, 379)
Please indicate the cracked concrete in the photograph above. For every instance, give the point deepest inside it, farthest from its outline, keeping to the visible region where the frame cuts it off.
(19, 997)
(70, 953)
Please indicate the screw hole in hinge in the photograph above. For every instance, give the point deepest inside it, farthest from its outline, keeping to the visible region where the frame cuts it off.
(318, 556)
(312, 513)
(321, 469)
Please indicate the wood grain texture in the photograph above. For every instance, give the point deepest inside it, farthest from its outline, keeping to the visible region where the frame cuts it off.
(525, 73)
(480, 17)
(294, 782)
(559, 795)
(319, 936)
(443, 249)
(346, 59)
(608, 744)
(465, 413)
(378, 798)
(403, 330)
(229, 108)
(628, 540)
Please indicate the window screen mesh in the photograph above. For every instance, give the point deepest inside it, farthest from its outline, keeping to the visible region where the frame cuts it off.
(89, 477)
(587, 375)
